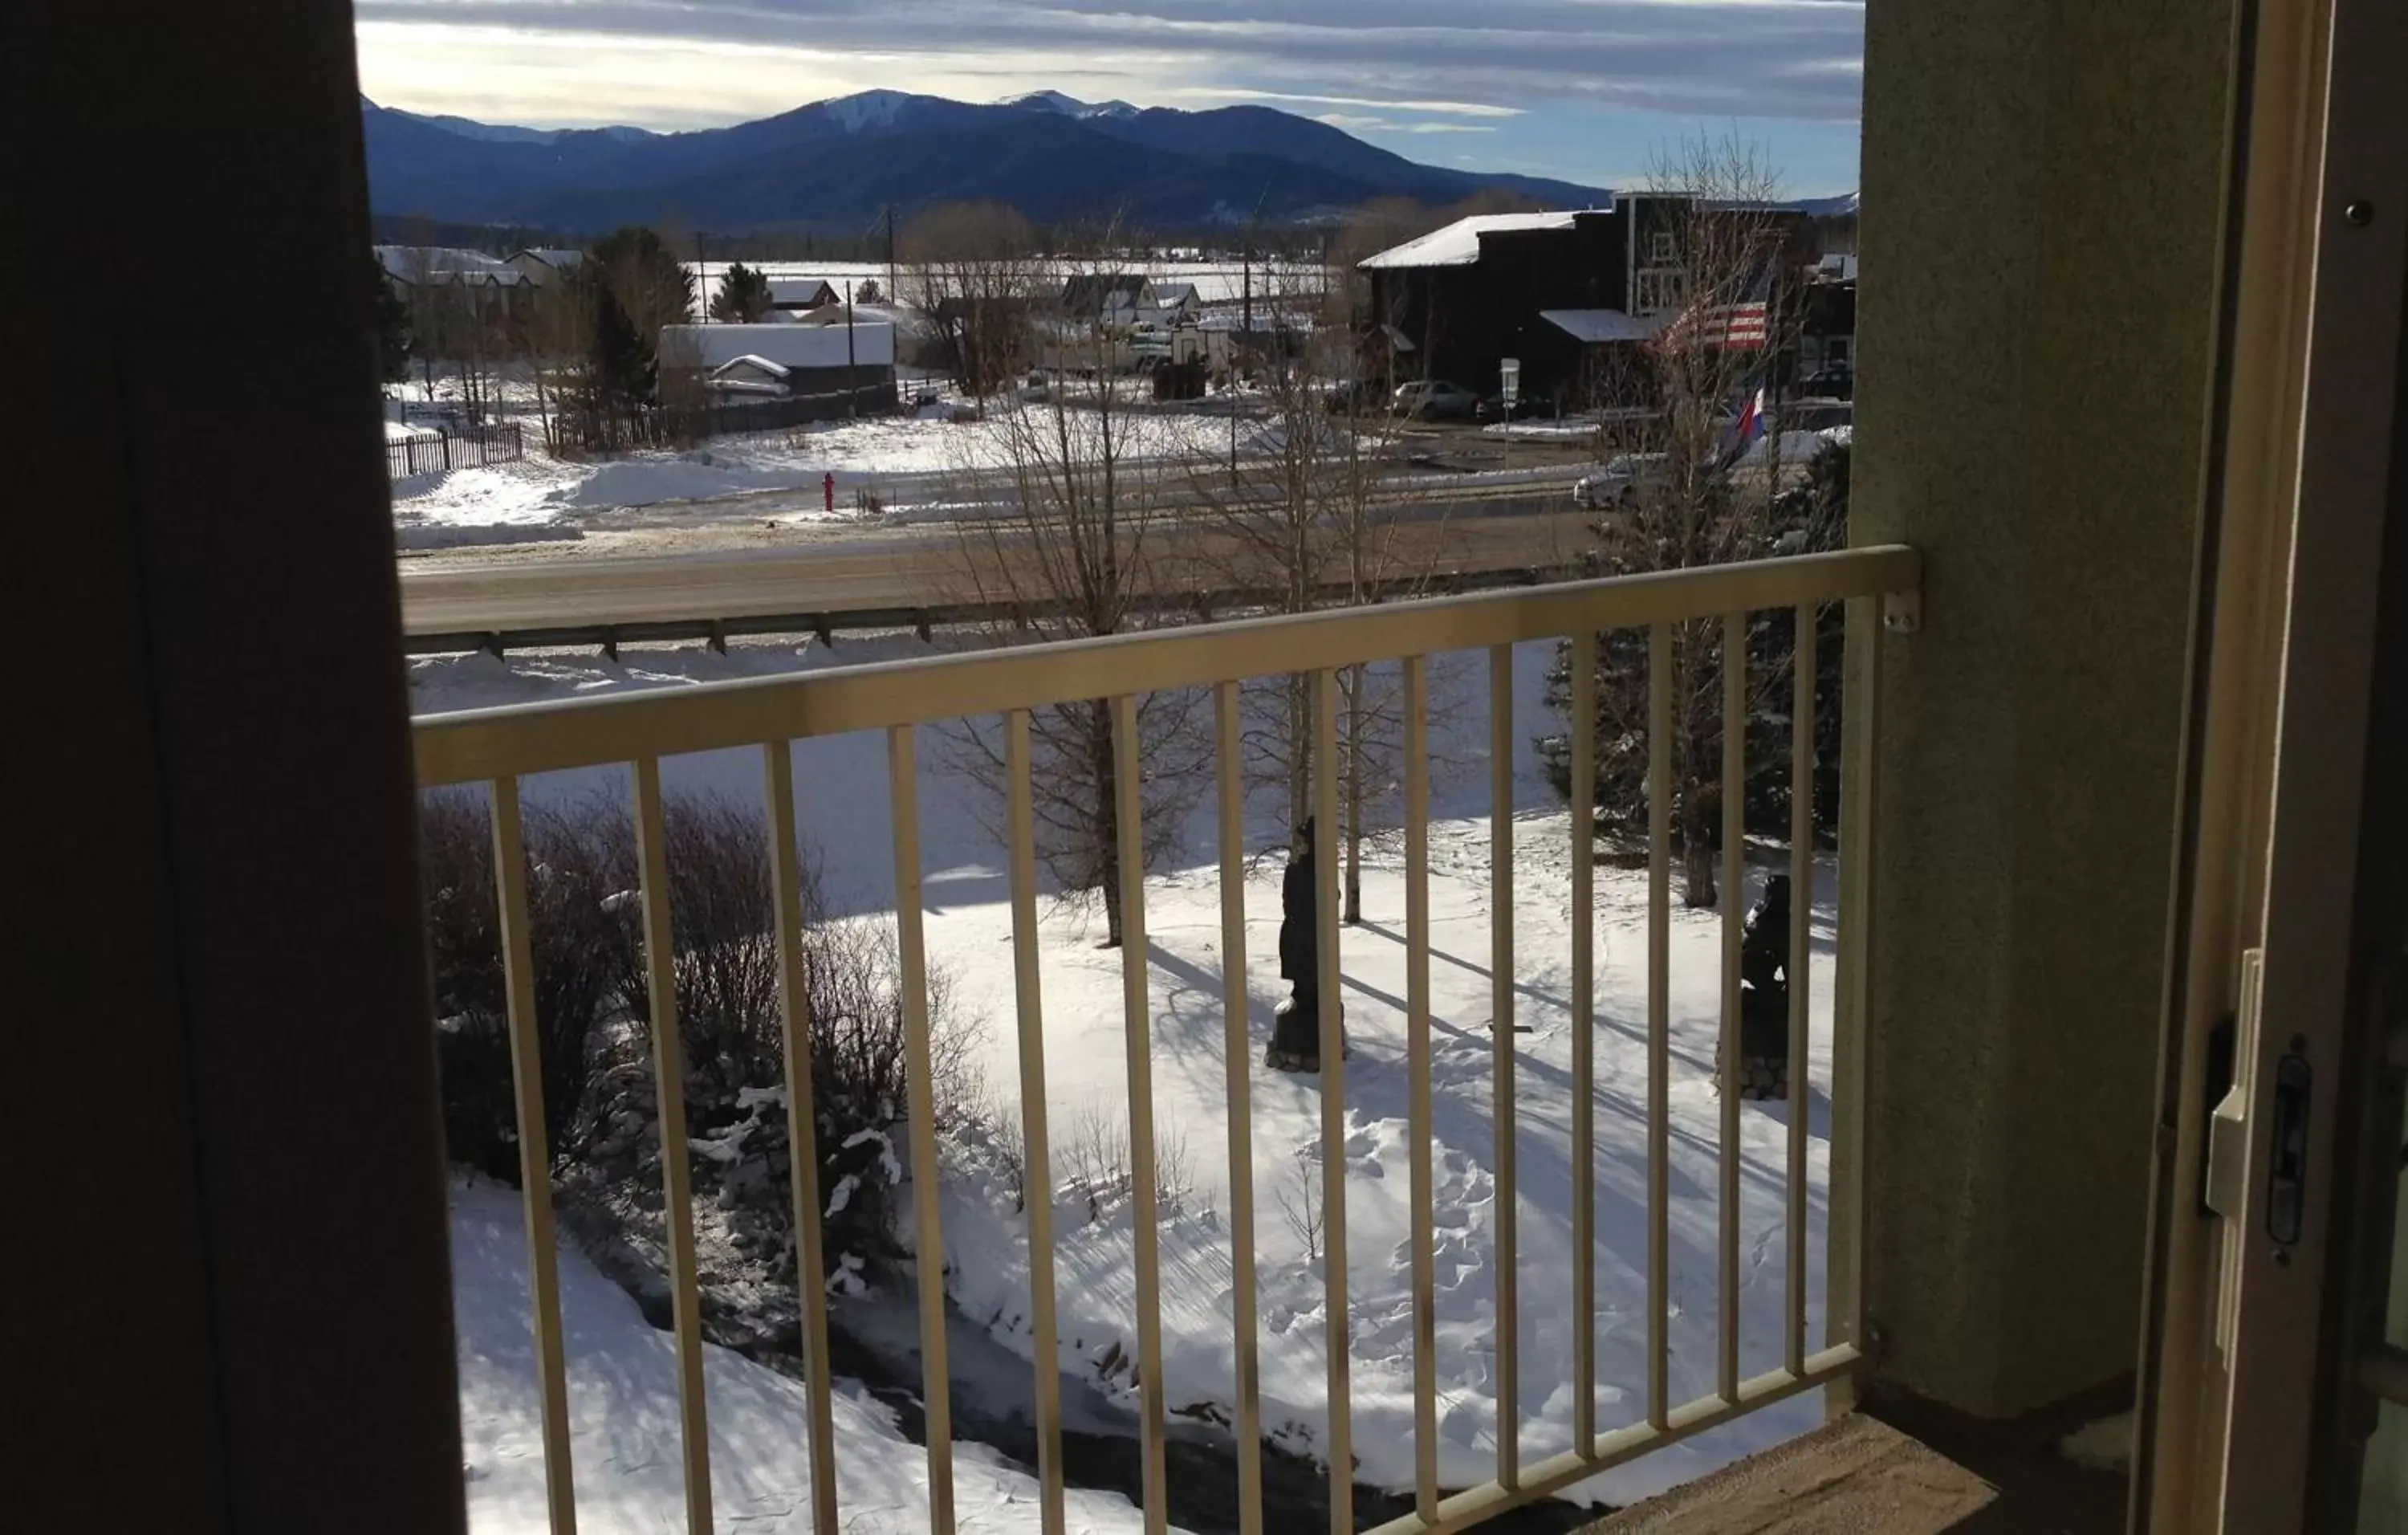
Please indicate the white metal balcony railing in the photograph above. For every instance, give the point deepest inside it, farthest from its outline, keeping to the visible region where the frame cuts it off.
(498, 747)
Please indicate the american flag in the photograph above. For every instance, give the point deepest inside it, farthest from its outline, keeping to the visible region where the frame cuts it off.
(1723, 327)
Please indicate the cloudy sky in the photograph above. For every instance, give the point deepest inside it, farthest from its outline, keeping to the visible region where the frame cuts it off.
(1587, 90)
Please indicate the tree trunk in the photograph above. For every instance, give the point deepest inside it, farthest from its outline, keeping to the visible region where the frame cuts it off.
(1101, 758)
(1299, 750)
(1696, 858)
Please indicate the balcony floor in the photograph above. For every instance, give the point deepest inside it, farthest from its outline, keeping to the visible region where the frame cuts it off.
(1918, 1474)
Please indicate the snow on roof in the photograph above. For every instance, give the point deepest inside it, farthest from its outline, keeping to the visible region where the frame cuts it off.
(1458, 243)
(753, 360)
(1171, 294)
(445, 264)
(559, 259)
(786, 345)
(801, 290)
(1594, 325)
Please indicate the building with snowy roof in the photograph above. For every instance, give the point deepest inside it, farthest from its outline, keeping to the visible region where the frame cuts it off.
(775, 361)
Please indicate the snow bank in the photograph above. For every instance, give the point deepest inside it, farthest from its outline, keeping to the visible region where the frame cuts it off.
(480, 535)
(884, 455)
(1541, 431)
(624, 1425)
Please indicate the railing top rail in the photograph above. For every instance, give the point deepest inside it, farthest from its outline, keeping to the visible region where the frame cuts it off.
(473, 745)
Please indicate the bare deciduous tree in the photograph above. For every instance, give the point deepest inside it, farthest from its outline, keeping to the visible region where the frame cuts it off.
(1299, 523)
(974, 271)
(1072, 555)
(1300, 1201)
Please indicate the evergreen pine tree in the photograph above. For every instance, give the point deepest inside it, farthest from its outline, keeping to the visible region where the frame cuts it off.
(393, 329)
(632, 286)
(743, 296)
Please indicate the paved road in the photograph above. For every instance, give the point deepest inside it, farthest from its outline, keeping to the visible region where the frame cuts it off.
(895, 569)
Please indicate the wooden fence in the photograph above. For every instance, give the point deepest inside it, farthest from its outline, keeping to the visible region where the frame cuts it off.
(464, 448)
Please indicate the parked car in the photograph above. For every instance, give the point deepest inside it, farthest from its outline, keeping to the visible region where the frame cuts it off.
(1818, 415)
(1619, 483)
(1833, 383)
(1434, 399)
(1493, 407)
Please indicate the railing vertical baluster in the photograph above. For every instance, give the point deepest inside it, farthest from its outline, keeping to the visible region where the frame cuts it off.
(1037, 1178)
(928, 1240)
(535, 1155)
(1852, 1020)
(669, 1083)
(802, 1125)
(1801, 911)
(1734, 891)
(1583, 798)
(1236, 1015)
(1328, 847)
(1500, 1027)
(1659, 1019)
(1417, 1077)
(1128, 823)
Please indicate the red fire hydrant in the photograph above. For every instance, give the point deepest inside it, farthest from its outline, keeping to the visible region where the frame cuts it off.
(827, 486)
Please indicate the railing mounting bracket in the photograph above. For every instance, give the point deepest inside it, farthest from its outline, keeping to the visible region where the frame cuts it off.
(1902, 612)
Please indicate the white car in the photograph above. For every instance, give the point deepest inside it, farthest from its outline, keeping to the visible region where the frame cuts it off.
(1431, 399)
(1619, 483)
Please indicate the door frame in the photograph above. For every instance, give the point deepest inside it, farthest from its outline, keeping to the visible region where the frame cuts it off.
(2298, 482)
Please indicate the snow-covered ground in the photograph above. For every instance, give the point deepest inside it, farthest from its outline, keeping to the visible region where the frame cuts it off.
(843, 809)
(885, 456)
(1217, 282)
(623, 1404)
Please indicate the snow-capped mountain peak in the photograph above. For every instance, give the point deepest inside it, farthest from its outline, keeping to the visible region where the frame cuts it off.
(867, 109)
(1054, 101)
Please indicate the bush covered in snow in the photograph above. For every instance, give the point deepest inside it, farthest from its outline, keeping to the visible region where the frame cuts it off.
(593, 1010)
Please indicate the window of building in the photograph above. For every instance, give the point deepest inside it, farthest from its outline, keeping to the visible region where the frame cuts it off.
(1660, 251)
(1655, 291)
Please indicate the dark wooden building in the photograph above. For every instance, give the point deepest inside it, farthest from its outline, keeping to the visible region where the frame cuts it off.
(1540, 287)
(1556, 291)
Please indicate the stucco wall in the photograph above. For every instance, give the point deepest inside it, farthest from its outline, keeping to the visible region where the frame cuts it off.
(2041, 192)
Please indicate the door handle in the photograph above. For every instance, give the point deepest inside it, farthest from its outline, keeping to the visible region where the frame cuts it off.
(2286, 1162)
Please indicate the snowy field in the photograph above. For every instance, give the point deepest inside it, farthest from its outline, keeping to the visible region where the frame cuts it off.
(886, 456)
(1217, 282)
(843, 807)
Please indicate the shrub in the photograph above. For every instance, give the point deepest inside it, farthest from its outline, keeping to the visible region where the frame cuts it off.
(574, 991)
(587, 934)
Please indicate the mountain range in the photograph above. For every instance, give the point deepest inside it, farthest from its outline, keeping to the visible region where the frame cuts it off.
(838, 165)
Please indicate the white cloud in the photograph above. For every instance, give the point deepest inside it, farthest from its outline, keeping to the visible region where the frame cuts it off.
(687, 61)
(1466, 109)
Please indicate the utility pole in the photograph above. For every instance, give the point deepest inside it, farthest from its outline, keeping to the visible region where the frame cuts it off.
(702, 276)
(852, 384)
(892, 291)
